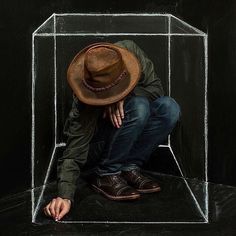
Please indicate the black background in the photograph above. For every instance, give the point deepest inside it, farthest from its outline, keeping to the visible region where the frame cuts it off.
(18, 19)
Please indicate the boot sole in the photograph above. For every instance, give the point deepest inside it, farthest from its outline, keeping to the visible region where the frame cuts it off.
(116, 198)
(153, 190)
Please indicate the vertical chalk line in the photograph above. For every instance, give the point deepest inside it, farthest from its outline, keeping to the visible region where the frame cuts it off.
(169, 63)
(206, 124)
(207, 201)
(55, 124)
(32, 128)
(55, 80)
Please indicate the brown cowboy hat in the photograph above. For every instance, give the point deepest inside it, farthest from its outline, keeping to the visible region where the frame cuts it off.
(103, 73)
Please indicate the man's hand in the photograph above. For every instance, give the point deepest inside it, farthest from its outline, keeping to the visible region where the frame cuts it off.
(57, 208)
(115, 112)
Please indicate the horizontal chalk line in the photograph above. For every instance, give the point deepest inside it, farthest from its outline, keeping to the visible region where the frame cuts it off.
(133, 222)
(117, 14)
(116, 34)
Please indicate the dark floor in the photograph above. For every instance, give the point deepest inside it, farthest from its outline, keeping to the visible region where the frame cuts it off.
(173, 204)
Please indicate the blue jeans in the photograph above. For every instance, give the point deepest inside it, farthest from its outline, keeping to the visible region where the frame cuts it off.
(145, 125)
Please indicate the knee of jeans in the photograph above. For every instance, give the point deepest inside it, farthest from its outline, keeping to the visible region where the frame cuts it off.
(170, 109)
(138, 110)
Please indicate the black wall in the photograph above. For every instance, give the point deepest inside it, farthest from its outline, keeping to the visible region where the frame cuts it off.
(18, 19)
(218, 18)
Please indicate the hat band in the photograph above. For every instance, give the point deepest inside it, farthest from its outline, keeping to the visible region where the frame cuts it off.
(94, 89)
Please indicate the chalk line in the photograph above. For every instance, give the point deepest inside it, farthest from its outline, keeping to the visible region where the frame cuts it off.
(188, 25)
(32, 128)
(132, 222)
(206, 122)
(116, 34)
(44, 185)
(43, 24)
(110, 14)
(193, 196)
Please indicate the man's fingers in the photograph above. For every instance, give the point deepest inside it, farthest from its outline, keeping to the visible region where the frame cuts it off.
(115, 116)
(52, 207)
(120, 111)
(46, 210)
(118, 116)
(111, 115)
(63, 210)
(121, 108)
(57, 208)
(115, 119)
(116, 113)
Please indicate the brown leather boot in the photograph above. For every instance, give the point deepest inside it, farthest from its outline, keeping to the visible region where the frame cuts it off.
(141, 183)
(114, 187)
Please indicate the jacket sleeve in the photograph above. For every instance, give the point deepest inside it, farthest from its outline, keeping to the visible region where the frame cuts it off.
(79, 129)
(149, 84)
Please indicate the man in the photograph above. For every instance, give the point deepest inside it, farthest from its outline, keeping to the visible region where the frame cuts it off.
(119, 115)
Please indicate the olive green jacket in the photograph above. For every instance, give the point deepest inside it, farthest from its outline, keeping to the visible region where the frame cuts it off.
(81, 123)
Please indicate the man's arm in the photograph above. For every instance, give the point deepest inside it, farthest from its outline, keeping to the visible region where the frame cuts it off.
(149, 84)
(79, 129)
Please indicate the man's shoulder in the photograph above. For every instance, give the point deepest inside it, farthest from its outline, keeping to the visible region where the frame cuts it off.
(128, 44)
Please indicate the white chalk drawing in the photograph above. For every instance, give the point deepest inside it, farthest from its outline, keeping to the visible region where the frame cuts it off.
(40, 32)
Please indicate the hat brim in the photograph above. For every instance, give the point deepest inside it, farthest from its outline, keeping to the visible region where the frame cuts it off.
(75, 76)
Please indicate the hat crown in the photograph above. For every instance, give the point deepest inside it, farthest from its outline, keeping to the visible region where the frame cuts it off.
(103, 66)
(103, 73)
